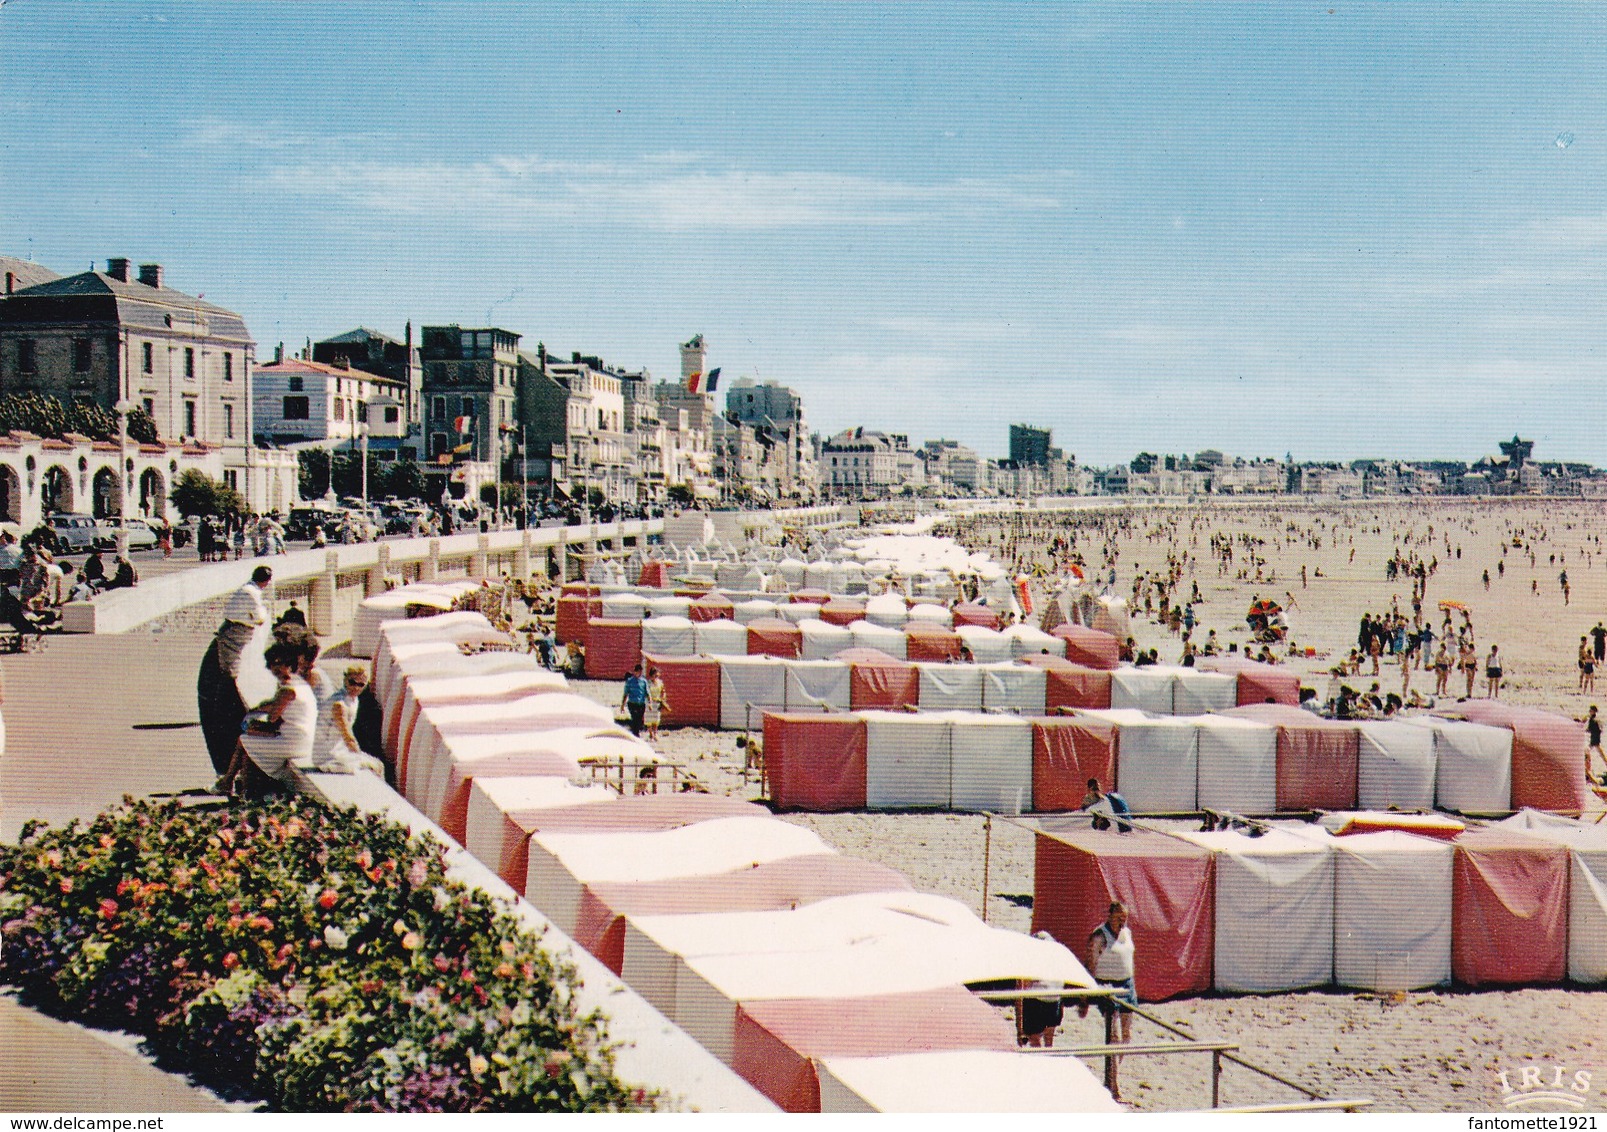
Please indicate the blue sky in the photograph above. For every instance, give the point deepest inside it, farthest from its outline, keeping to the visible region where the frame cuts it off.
(1359, 230)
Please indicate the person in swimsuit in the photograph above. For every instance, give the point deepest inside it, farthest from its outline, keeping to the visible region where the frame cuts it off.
(1111, 961)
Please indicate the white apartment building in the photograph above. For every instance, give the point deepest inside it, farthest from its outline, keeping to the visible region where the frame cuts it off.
(297, 400)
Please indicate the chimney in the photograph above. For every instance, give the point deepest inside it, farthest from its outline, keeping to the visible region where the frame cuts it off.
(118, 269)
(11, 282)
(279, 353)
(150, 274)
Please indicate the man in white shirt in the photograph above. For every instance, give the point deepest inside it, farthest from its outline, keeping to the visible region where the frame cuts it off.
(244, 614)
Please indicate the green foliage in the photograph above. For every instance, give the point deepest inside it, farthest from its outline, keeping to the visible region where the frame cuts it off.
(312, 472)
(318, 469)
(404, 479)
(513, 495)
(680, 493)
(48, 416)
(196, 493)
(322, 956)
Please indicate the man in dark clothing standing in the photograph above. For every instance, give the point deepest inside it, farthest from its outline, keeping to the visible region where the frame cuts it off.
(1598, 637)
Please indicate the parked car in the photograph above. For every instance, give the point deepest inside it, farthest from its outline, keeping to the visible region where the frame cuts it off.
(140, 534)
(73, 534)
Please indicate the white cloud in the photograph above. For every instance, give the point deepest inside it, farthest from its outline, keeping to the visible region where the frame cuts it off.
(662, 192)
(212, 132)
(1573, 231)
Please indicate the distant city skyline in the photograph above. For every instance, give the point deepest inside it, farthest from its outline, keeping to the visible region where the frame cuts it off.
(1361, 231)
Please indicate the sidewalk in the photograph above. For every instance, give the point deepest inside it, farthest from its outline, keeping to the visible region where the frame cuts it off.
(75, 745)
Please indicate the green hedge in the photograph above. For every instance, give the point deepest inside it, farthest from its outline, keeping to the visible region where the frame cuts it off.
(315, 958)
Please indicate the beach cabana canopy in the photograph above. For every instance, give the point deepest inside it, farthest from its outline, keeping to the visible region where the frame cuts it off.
(720, 638)
(575, 611)
(1395, 765)
(691, 689)
(950, 687)
(613, 648)
(1028, 640)
(907, 760)
(774, 636)
(1151, 689)
(970, 613)
(815, 762)
(843, 610)
(987, 645)
(1157, 760)
(819, 685)
(1548, 754)
(867, 635)
(879, 680)
(1258, 683)
(1472, 765)
(823, 640)
(749, 687)
(495, 824)
(927, 640)
(948, 1081)
(1069, 685)
(991, 763)
(1088, 647)
(711, 607)
(1066, 752)
(1020, 689)
(1587, 887)
(1238, 767)
(669, 636)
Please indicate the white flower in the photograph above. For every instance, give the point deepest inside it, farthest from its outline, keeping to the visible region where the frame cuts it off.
(335, 938)
(443, 900)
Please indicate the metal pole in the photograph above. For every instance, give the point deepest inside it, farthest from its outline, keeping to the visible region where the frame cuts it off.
(1216, 1077)
(987, 861)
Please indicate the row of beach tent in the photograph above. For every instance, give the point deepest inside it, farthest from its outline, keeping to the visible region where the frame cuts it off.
(822, 979)
(1260, 759)
(1517, 902)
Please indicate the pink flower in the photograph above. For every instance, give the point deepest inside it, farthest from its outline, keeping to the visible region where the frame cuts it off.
(108, 909)
(410, 941)
(365, 859)
(442, 963)
(327, 898)
(418, 872)
(231, 961)
(66, 884)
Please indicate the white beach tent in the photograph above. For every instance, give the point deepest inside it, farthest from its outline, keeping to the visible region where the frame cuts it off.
(1157, 760)
(990, 763)
(749, 687)
(818, 685)
(822, 576)
(870, 636)
(1392, 908)
(1238, 765)
(889, 609)
(1395, 765)
(443, 782)
(730, 575)
(491, 828)
(1026, 640)
(1587, 887)
(472, 687)
(1195, 691)
(656, 947)
(907, 760)
(709, 987)
(929, 614)
(669, 636)
(624, 607)
(1151, 689)
(1274, 911)
(720, 638)
(950, 687)
(754, 609)
(823, 640)
(456, 629)
(415, 663)
(393, 605)
(988, 646)
(669, 606)
(561, 864)
(1472, 765)
(1016, 688)
(792, 572)
(542, 712)
(798, 612)
(971, 1080)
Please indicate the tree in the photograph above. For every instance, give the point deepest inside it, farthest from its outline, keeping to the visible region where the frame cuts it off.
(312, 472)
(512, 495)
(681, 494)
(404, 479)
(196, 493)
(47, 416)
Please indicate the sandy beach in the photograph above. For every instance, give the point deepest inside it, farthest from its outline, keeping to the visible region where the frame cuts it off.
(1425, 1051)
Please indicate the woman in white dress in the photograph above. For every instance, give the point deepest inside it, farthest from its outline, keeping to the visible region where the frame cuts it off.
(334, 747)
(279, 732)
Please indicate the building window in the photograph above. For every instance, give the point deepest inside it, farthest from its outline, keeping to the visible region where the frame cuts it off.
(362, 412)
(297, 385)
(228, 366)
(81, 355)
(189, 418)
(147, 358)
(231, 479)
(228, 421)
(27, 358)
(438, 445)
(439, 410)
(189, 361)
(392, 414)
(150, 407)
(340, 409)
(296, 409)
(468, 406)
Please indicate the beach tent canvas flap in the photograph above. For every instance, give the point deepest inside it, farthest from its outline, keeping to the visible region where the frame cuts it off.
(1088, 647)
(1587, 887)
(1316, 757)
(669, 636)
(1020, 689)
(1143, 689)
(773, 636)
(819, 685)
(969, 613)
(1157, 761)
(1066, 753)
(1258, 683)
(924, 640)
(1068, 685)
(614, 647)
(1274, 911)
(1197, 692)
(691, 689)
(842, 611)
(1394, 766)
(986, 645)
(1472, 766)
(880, 637)
(815, 762)
(711, 607)
(991, 763)
(720, 638)
(749, 687)
(907, 761)
(1167, 884)
(877, 680)
(1509, 897)
(971, 1080)
(822, 640)
(1238, 765)
(1548, 754)
(950, 687)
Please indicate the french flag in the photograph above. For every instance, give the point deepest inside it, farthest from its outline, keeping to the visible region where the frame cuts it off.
(703, 382)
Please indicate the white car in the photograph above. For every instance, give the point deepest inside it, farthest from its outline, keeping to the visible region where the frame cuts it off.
(140, 535)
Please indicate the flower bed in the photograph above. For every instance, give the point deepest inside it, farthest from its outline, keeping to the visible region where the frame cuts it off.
(316, 958)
